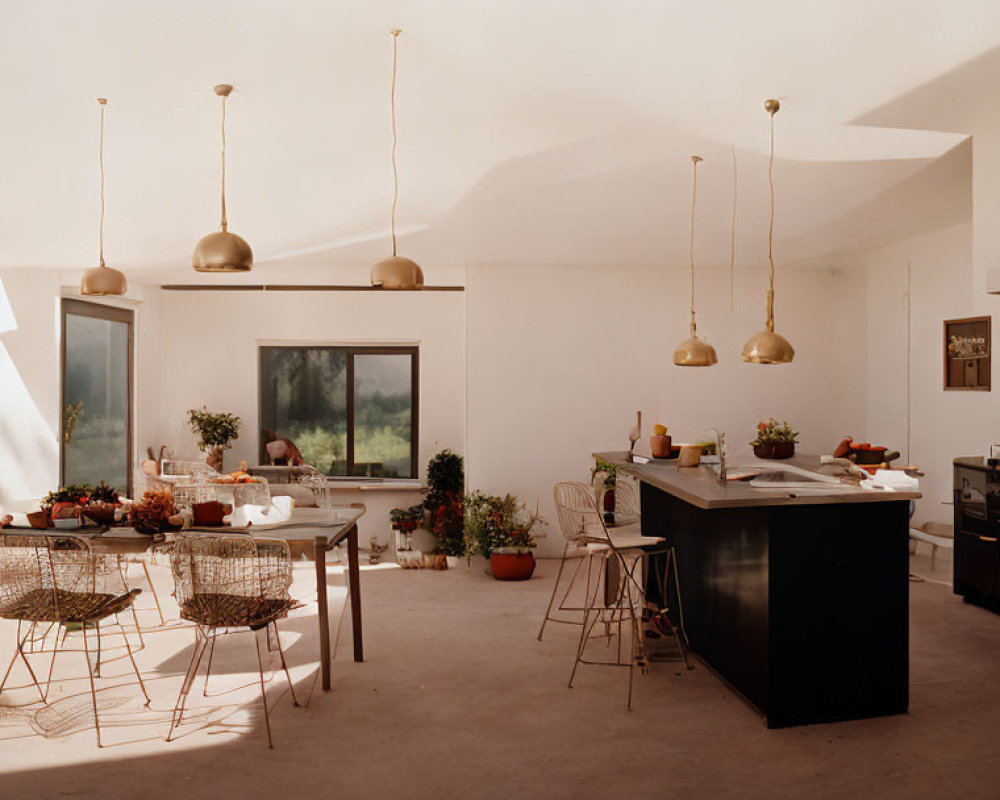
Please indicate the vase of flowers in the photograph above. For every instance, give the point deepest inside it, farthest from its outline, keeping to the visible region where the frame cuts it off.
(774, 439)
(499, 528)
(216, 432)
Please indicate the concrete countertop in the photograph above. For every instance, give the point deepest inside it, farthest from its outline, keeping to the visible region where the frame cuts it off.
(700, 487)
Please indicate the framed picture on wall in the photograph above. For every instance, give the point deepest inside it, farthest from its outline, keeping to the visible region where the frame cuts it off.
(967, 354)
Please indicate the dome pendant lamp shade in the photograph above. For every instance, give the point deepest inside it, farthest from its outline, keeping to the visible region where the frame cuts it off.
(223, 251)
(768, 347)
(396, 272)
(102, 280)
(694, 351)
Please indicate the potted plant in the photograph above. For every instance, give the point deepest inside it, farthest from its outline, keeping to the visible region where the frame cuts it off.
(604, 477)
(444, 503)
(65, 501)
(101, 504)
(499, 528)
(215, 433)
(449, 528)
(774, 439)
(405, 521)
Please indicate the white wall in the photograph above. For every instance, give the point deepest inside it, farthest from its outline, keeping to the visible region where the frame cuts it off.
(30, 390)
(942, 424)
(560, 359)
(208, 356)
(29, 387)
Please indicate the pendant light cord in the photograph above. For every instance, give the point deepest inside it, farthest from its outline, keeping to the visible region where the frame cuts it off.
(395, 138)
(225, 222)
(694, 199)
(732, 241)
(100, 160)
(770, 231)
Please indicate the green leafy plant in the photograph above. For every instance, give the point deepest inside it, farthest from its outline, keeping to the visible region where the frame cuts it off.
(406, 519)
(610, 472)
(102, 493)
(214, 430)
(445, 479)
(773, 432)
(74, 493)
(449, 526)
(493, 522)
(444, 501)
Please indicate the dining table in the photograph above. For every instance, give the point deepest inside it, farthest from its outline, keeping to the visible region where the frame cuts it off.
(311, 531)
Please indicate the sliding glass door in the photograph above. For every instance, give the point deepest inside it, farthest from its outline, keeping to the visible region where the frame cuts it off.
(96, 436)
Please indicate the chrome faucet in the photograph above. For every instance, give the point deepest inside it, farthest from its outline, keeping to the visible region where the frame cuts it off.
(720, 448)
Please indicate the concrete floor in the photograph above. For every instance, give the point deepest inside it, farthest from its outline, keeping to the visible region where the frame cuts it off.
(457, 699)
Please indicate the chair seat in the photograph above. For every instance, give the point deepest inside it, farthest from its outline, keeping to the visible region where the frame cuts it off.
(627, 541)
(42, 605)
(230, 610)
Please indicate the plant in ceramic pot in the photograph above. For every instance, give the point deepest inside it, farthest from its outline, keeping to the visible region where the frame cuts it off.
(604, 477)
(216, 432)
(101, 504)
(499, 528)
(444, 502)
(774, 439)
(66, 500)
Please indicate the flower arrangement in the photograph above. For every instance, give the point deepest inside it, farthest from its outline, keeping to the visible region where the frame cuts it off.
(774, 439)
(406, 519)
(214, 430)
(152, 514)
(74, 494)
(497, 524)
(449, 526)
(101, 504)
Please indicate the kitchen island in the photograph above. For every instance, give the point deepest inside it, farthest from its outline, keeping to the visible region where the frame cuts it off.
(798, 599)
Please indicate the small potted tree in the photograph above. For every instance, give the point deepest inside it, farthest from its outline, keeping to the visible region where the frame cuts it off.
(444, 503)
(216, 432)
(499, 528)
(774, 439)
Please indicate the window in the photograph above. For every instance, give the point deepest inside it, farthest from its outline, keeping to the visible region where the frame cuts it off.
(96, 440)
(351, 411)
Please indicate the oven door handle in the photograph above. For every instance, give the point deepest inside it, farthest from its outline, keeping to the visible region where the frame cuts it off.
(987, 538)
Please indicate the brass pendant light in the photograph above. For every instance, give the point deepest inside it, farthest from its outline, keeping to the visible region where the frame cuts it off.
(767, 347)
(223, 251)
(694, 351)
(102, 280)
(396, 272)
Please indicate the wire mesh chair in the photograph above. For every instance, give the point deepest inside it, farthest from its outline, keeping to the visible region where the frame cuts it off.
(231, 581)
(58, 580)
(578, 513)
(575, 549)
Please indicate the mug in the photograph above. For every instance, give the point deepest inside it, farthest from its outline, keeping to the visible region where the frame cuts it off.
(690, 456)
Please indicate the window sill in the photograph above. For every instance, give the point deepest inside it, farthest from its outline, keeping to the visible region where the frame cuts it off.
(378, 486)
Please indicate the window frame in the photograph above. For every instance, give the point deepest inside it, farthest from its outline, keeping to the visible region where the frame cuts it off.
(350, 351)
(83, 308)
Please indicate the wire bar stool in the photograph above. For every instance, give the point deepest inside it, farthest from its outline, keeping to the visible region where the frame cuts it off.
(579, 515)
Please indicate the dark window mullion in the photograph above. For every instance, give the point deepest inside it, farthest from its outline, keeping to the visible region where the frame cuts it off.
(350, 412)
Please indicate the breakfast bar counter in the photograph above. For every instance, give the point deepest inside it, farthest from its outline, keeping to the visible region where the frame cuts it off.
(798, 599)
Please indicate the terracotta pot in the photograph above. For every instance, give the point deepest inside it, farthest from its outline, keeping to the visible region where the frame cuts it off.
(776, 450)
(659, 446)
(40, 520)
(512, 566)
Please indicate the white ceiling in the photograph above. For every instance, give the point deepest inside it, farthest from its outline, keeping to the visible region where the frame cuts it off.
(539, 132)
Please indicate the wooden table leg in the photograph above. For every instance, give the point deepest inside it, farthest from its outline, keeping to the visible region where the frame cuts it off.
(354, 575)
(319, 545)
